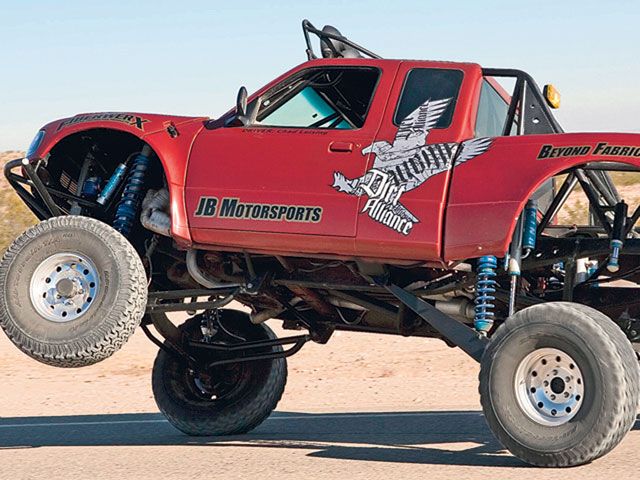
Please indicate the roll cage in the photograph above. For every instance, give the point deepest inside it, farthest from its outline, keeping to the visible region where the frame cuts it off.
(536, 119)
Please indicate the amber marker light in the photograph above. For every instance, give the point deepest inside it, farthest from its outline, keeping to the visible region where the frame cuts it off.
(552, 96)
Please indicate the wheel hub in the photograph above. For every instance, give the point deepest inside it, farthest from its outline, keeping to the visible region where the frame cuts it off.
(549, 386)
(68, 288)
(63, 286)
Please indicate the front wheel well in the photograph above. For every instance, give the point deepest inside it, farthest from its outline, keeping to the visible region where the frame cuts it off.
(81, 168)
(105, 148)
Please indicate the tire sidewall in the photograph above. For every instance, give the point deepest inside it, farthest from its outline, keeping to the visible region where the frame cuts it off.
(23, 265)
(603, 389)
(202, 417)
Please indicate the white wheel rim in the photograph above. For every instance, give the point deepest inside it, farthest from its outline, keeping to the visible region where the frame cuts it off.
(549, 386)
(64, 286)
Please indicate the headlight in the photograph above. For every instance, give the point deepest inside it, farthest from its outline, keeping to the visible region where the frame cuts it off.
(35, 143)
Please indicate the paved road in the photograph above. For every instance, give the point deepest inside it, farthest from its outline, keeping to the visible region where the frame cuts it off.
(86, 424)
(385, 445)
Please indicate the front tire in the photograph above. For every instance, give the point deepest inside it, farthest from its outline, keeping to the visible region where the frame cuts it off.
(228, 399)
(72, 291)
(559, 384)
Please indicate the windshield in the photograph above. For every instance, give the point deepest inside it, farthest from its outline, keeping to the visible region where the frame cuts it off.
(336, 98)
(307, 109)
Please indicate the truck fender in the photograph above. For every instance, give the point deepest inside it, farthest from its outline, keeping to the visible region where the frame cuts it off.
(172, 151)
(488, 193)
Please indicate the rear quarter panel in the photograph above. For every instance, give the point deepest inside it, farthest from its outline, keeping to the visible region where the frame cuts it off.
(488, 193)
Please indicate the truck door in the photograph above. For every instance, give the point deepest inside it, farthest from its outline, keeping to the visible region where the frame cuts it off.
(411, 161)
(277, 175)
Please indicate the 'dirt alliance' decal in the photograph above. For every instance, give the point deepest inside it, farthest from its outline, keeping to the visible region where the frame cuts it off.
(235, 209)
(406, 164)
(602, 148)
(129, 119)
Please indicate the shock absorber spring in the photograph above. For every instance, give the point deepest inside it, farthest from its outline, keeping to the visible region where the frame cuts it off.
(132, 193)
(485, 288)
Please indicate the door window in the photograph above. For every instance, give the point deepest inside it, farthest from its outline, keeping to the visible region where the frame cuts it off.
(492, 112)
(333, 98)
(424, 84)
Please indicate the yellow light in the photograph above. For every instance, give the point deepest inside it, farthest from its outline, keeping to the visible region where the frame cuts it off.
(552, 96)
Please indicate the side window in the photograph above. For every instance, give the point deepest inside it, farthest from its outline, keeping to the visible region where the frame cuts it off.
(334, 98)
(424, 84)
(492, 112)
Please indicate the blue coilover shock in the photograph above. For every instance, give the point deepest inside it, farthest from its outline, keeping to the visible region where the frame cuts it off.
(132, 193)
(485, 290)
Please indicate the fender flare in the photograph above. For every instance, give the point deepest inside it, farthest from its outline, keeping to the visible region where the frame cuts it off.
(173, 157)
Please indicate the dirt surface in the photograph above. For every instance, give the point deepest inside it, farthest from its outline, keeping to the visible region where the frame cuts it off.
(361, 407)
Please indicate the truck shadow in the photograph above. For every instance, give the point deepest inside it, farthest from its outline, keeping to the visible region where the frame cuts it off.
(449, 438)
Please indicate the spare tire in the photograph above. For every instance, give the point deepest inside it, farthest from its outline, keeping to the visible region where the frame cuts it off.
(72, 291)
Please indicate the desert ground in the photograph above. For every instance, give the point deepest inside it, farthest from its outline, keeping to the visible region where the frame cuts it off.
(361, 407)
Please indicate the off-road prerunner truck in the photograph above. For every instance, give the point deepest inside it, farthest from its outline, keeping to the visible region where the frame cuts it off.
(415, 198)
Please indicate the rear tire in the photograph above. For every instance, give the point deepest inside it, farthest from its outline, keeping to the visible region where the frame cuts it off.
(559, 384)
(229, 399)
(72, 291)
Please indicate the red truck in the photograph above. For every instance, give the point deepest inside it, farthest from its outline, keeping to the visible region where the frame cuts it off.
(406, 197)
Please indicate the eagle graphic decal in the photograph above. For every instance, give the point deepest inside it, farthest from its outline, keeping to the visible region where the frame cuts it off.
(406, 164)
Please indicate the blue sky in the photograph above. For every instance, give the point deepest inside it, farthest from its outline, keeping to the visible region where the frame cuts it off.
(59, 58)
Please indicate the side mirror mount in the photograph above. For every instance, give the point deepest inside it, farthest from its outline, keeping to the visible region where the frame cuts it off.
(241, 102)
(246, 115)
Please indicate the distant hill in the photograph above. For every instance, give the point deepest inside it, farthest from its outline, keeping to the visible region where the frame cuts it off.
(15, 217)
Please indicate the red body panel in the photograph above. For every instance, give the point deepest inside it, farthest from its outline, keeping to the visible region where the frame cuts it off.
(283, 166)
(427, 201)
(461, 212)
(294, 166)
(488, 193)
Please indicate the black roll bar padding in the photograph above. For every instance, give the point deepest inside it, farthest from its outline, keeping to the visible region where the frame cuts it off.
(610, 166)
(592, 196)
(307, 28)
(558, 201)
(633, 220)
(598, 179)
(513, 108)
